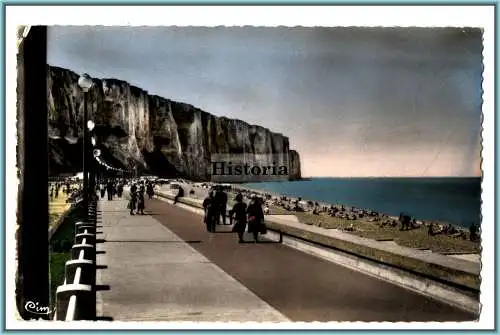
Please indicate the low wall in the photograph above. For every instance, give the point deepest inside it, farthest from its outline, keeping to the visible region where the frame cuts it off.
(456, 272)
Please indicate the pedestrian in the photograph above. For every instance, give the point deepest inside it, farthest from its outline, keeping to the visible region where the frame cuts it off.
(109, 189)
(239, 211)
(255, 218)
(150, 190)
(222, 202)
(133, 188)
(133, 199)
(103, 190)
(217, 204)
(473, 232)
(209, 219)
(140, 201)
(119, 190)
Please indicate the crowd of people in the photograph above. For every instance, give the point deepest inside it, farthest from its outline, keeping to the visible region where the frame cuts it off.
(111, 187)
(215, 206)
(66, 187)
(139, 189)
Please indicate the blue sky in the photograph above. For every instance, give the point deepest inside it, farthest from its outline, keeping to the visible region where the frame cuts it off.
(353, 101)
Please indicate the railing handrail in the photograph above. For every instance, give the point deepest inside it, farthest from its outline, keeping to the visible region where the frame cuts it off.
(71, 291)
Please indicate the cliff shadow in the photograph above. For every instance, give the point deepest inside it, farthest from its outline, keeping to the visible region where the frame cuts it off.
(65, 156)
(158, 163)
(104, 131)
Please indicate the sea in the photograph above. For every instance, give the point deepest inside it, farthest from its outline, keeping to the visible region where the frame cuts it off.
(452, 200)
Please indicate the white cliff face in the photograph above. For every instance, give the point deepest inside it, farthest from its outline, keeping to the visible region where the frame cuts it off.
(154, 133)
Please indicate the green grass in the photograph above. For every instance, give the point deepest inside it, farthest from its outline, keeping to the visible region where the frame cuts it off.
(60, 250)
(57, 267)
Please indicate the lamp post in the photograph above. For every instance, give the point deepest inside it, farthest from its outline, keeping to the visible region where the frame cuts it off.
(91, 166)
(97, 153)
(85, 83)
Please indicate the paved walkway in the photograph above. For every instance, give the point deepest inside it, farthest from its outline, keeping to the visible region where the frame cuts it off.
(165, 266)
(153, 275)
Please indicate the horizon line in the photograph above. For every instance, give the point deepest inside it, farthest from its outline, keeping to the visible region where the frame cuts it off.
(347, 177)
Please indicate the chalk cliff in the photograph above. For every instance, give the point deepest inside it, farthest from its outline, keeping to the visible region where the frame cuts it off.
(148, 132)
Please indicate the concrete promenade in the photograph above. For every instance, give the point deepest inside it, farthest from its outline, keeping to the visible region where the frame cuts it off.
(164, 266)
(147, 273)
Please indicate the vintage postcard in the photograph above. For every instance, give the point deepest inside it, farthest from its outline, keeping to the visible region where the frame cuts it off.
(252, 176)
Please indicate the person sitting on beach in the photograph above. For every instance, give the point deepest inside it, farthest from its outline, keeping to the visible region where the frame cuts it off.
(473, 232)
(451, 230)
(405, 221)
(180, 194)
(430, 229)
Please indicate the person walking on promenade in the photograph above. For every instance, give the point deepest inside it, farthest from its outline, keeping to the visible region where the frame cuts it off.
(239, 211)
(109, 189)
(119, 189)
(217, 204)
(133, 188)
(209, 207)
(255, 218)
(103, 189)
(133, 199)
(221, 201)
(140, 201)
(142, 188)
(150, 190)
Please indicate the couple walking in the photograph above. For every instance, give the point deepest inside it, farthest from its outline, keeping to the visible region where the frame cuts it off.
(215, 206)
(253, 215)
(137, 199)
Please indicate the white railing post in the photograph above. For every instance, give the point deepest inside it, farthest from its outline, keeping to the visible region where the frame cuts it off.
(76, 298)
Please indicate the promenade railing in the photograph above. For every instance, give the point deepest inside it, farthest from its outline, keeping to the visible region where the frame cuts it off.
(76, 298)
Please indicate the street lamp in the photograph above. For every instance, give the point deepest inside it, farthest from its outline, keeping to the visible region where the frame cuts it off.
(90, 125)
(97, 154)
(85, 82)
